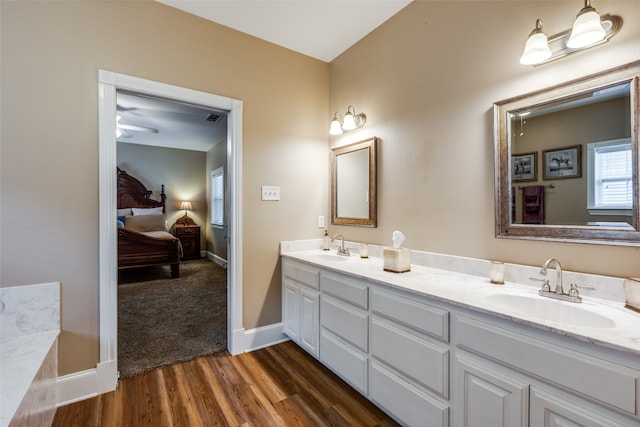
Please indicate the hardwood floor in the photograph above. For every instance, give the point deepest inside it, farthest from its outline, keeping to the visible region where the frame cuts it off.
(276, 386)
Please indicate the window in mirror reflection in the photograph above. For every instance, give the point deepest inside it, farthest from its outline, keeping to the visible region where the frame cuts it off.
(610, 182)
(599, 125)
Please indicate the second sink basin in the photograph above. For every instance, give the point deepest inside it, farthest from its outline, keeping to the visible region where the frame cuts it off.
(328, 257)
(549, 309)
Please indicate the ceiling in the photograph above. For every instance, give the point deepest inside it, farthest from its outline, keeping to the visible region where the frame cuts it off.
(179, 125)
(321, 29)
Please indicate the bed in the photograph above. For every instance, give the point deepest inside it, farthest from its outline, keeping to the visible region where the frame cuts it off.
(143, 239)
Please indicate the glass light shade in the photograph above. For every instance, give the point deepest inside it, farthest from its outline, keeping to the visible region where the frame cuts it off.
(335, 128)
(587, 29)
(349, 122)
(536, 49)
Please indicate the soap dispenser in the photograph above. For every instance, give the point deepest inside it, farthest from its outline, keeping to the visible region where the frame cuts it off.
(325, 240)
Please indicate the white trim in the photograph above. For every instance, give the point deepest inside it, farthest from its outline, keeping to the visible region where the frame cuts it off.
(217, 259)
(108, 84)
(76, 387)
(264, 336)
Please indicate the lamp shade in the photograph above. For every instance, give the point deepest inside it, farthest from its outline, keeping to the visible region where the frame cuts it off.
(336, 128)
(349, 122)
(186, 206)
(587, 29)
(536, 49)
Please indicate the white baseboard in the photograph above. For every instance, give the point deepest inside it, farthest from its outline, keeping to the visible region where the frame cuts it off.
(215, 258)
(76, 387)
(264, 336)
(92, 382)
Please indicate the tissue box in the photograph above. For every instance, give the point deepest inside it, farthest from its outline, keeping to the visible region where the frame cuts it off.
(397, 260)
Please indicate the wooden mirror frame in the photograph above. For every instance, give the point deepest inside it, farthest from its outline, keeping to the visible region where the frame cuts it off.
(504, 228)
(372, 221)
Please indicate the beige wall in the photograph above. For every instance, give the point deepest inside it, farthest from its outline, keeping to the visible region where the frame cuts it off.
(182, 172)
(427, 80)
(51, 52)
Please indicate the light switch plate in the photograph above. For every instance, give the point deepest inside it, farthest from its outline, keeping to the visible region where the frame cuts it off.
(270, 192)
(321, 221)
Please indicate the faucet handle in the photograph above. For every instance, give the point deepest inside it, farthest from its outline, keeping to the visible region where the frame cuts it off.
(545, 283)
(574, 295)
(573, 290)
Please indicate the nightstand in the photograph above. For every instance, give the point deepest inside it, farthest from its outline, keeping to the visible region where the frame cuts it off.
(189, 236)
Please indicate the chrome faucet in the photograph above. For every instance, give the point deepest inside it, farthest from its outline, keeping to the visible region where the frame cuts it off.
(341, 250)
(558, 293)
(559, 290)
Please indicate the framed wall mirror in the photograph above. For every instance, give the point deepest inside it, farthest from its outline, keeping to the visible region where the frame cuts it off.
(353, 184)
(566, 161)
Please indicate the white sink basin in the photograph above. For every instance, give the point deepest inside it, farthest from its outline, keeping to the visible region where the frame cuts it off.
(328, 257)
(549, 309)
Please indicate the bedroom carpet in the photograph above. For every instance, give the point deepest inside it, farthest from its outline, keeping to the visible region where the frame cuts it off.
(162, 321)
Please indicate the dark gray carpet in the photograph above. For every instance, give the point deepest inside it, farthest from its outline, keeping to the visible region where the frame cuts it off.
(162, 321)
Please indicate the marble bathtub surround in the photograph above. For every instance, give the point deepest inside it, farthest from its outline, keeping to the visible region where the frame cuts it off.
(29, 329)
(465, 282)
(29, 309)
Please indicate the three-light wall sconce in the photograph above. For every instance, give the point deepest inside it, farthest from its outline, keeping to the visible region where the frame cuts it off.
(589, 29)
(350, 121)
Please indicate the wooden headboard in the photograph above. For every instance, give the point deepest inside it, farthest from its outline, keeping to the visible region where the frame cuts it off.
(132, 194)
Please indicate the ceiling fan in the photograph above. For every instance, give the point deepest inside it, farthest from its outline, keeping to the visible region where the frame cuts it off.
(121, 129)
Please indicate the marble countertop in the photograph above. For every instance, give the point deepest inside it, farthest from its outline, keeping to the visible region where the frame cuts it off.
(619, 327)
(20, 359)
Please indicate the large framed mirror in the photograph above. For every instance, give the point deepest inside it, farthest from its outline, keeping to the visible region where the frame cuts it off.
(566, 161)
(353, 184)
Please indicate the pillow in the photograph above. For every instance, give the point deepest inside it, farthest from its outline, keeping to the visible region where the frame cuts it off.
(147, 211)
(144, 223)
(124, 212)
(120, 223)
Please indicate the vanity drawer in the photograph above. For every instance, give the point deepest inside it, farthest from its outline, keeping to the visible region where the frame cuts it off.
(594, 377)
(410, 405)
(422, 361)
(344, 321)
(347, 290)
(348, 363)
(415, 314)
(300, 273)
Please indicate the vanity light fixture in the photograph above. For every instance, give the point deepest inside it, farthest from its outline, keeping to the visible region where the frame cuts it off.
(351, 121)
(589, 29)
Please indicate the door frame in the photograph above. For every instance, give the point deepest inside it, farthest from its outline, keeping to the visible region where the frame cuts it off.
(108, 84)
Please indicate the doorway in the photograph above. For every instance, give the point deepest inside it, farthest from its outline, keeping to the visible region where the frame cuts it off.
(109, 83)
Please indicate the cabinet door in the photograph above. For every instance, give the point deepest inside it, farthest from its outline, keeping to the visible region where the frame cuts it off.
(309, 320)
(291, 309)
(551, 410)
(489, 395)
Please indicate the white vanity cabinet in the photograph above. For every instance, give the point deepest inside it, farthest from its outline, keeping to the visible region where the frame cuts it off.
(409, 357)
(487, 394)
(300, 305)
(431, 362)
(509, 375)
(344, 322)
